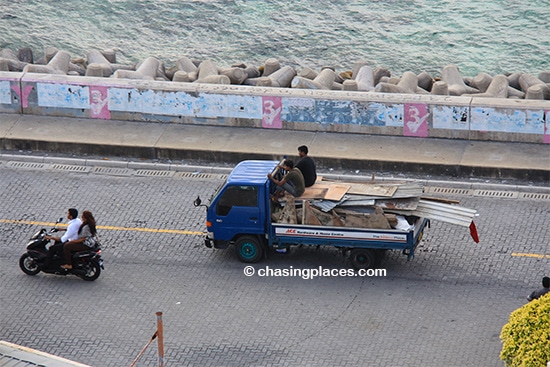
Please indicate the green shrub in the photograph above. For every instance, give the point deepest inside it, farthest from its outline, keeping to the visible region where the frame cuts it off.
(525, 338)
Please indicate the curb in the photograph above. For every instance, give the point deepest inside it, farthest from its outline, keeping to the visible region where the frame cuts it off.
(226, 170)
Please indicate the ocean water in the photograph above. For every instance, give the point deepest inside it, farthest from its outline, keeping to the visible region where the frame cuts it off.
(492, 36)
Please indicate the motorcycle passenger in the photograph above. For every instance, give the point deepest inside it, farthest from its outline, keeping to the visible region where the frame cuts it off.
(86, 238)
(71, 233)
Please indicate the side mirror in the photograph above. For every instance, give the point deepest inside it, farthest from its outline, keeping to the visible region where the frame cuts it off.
(60, 220)
(198, 202)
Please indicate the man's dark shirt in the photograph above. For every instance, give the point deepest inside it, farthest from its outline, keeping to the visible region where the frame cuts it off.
(538, 293)
(307, 167)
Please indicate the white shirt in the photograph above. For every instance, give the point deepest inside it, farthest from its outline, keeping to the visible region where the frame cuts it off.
(72, 230)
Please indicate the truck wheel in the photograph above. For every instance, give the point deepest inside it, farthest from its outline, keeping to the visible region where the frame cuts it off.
(363, 258)
(249, 249)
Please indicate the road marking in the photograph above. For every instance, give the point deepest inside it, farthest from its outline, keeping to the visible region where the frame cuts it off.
(538, 256)
(109, 228)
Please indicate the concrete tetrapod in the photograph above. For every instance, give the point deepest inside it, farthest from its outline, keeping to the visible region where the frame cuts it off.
(146, 71)
(280, 78)
(350, 85)
(455, 83)
(425, 81)
(186, 70)
(407, 84)
(98, 65)
(498, 88)
(324, 80)
(440, 88)
(308, 73)
(9, 61)
(271, 65)
(533, 87)
(482, 81)
(235, 75)
(365, 78)
(208, 73)
(59, 64)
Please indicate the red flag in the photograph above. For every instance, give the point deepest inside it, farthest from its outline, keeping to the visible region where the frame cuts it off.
(473, 232)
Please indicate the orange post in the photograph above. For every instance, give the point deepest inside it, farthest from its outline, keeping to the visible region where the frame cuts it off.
(160, 339)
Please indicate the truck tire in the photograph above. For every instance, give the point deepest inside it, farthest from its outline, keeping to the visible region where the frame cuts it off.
(249, 249)
(363, 258)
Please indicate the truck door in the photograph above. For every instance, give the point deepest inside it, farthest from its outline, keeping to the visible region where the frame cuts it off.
(237, 210)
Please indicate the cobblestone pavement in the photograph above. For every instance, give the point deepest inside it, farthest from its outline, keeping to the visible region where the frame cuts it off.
(444, 308)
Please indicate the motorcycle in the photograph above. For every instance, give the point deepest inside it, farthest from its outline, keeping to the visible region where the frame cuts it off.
(87, 264)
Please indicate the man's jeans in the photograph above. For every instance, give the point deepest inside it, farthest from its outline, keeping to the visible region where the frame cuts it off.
(287, 186)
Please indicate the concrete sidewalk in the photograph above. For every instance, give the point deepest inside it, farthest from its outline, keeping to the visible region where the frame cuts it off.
(220, 144)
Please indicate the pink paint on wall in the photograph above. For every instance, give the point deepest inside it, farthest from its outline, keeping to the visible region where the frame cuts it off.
(99, 107)
(271, 112)
(546, 136)
(24, 95)
(415, 120)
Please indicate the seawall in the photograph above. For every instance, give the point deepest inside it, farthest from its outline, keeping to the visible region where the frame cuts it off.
(397, 114)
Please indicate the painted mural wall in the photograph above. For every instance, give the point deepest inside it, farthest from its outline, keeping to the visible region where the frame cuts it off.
(417, 116)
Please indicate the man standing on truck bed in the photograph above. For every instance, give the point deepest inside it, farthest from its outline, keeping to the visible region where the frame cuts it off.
(306, 166)
(292, 181)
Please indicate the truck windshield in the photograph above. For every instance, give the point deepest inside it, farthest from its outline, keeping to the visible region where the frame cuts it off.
(217, 191)
(237, 196)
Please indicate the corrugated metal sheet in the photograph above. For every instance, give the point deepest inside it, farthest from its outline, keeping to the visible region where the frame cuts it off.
(442, 212)
(409, 190)
(13, 355)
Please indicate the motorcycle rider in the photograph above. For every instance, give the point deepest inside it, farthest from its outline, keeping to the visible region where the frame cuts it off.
(86, 231)
(71, 233)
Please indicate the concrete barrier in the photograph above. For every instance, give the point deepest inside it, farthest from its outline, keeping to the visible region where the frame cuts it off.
(345, 111)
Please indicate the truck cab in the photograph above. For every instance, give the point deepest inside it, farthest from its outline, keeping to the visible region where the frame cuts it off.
(239, 210)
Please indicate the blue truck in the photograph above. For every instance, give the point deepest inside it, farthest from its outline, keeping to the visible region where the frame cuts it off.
(240, 214)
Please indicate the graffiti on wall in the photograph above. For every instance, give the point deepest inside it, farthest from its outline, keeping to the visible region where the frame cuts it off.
(271, 112)
(546, 137)
(22, 94)
(99, 102)
(415, 120)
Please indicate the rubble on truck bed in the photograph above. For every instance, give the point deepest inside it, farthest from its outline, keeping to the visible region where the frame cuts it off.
(377, 205)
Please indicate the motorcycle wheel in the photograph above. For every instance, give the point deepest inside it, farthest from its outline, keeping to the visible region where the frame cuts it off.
(28, 265)
(93, 270)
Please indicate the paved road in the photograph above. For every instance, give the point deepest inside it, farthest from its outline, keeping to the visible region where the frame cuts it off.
(444, 308)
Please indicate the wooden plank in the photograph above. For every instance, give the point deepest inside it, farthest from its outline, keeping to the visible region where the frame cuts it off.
(372, 190)
(314, 192)
(288, 215)
(336, 192)
(336, 221)
(324, 218)
(308, 216)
